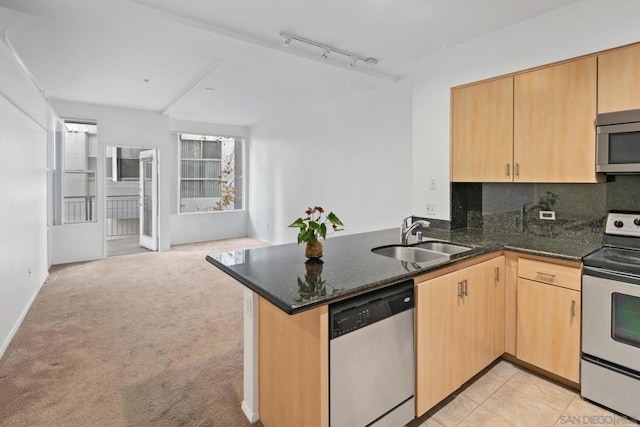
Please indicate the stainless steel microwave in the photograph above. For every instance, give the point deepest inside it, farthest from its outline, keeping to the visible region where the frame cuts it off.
(618, 142)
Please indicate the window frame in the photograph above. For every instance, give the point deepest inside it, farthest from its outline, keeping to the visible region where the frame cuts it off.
(60, 215)
(179, 158)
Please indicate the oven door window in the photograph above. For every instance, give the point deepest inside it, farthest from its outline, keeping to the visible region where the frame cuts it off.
(625, 325)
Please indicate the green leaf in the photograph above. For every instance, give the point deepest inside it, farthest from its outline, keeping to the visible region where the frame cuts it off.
(298, 223)
(323, 230)
(313, 225)
(333, 219)
(308, 235)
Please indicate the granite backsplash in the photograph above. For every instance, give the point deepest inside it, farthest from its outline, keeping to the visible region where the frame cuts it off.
(580, 209)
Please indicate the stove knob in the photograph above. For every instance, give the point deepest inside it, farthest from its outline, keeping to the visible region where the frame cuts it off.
(636, 221)
(618, 223)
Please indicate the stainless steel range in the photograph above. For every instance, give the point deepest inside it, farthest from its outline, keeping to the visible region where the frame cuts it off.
(610, 368)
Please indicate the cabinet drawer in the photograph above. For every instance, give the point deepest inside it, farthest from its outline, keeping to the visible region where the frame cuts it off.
(554, 274)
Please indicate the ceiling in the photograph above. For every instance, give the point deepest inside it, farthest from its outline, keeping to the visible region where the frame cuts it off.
(223, 61)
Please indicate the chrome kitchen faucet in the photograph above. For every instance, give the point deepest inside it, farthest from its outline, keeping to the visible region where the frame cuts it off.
(408, 226)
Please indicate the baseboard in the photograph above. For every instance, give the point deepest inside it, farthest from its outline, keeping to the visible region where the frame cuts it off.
(15, 328)
(248, 412)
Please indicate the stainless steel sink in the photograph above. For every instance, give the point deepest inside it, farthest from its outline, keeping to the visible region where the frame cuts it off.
(444, 247)
(411, 254)
(430, 253)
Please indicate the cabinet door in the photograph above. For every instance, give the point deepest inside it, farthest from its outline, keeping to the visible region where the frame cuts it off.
(549, 328)
(482, 132)
(510, 303)
(554, 113)
(459, 329)
(489, 314)
(483, 315)
(618, 82)
(438, 335)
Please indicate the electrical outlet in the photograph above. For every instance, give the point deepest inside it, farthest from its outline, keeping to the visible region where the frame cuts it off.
(433, 184)
(548, 215)
(431, 209)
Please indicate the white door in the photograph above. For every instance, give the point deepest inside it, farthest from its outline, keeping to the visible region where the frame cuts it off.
(149, 199)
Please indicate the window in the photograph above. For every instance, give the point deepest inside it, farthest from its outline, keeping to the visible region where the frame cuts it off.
(211, 173)
(76, 163)
(123, 164)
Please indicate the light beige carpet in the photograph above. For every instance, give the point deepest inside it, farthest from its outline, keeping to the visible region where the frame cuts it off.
(152, 339)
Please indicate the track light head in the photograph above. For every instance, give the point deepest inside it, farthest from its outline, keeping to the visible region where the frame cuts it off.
(325, 53)
(354, 59)
(287, 42)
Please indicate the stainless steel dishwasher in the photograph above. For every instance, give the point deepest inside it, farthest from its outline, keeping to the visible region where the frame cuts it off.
(371, 359)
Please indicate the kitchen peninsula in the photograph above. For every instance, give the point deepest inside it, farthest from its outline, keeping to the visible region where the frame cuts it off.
(292, 299)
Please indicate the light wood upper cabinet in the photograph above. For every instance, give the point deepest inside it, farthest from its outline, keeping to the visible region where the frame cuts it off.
(459, 329)
(538, 125)
(554, 113)
(482, 132)
(618, 82)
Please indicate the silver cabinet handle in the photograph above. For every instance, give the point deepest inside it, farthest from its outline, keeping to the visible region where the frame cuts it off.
(517, 170)
(549, 275)
(497, 278)
(573, 308)
(460, 294)
(507, 170)
(465, 287)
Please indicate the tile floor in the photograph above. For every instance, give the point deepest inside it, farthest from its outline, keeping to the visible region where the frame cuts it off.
(508, 395)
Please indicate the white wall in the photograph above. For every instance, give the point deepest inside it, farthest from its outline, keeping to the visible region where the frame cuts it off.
(581, 28)
(25, 119)
(351, 156)
(202, 226)
(123, 128)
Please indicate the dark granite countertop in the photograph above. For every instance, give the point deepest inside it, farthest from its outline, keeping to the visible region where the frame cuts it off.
(280, 275)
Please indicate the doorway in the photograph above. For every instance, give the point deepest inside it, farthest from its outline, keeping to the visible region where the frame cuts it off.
(131, 192)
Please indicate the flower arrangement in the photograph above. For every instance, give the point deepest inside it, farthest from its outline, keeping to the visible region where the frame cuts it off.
(314, 225)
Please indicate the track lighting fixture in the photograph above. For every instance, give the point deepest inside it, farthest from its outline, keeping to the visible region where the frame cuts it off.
(326, 50)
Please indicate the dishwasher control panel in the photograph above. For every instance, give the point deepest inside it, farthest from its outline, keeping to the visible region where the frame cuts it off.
(358, 312)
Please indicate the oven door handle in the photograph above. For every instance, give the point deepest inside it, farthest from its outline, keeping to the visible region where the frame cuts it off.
(611, 275)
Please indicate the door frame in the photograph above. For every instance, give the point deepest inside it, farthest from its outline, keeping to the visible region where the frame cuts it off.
(149, 241)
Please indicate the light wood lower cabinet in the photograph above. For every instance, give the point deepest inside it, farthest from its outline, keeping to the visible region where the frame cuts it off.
(293, 367)
(465, 319)
(510, 303)
(459, 328)
(548, 317)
